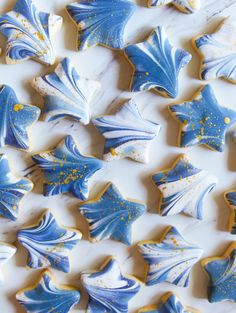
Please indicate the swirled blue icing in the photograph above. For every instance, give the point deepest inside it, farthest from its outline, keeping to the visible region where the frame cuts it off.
(66, 94)
(111, 216)
(186, 6)
(203, 120)
(6, 252)
(12, 190)
(101, 21)
(170, 259)
(15, 119)
(108, 289)
(157, 64)
(29, 33)
(66, 169)
(230, 198)
(48, 243)
(183, 188)
(127, 134)
(47, 296)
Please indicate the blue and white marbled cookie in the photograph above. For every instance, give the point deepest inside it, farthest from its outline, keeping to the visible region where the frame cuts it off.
(66, 94)
(183, 188)
(48, 296)
(66, 169)
(48, 244)
(230, 198)
(186, 6)
(127, 134)
(29, 33)
(157, 64)
(108, 289)
(101, 22)
(6, 252)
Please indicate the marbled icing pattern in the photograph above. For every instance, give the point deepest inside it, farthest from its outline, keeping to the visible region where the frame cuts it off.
(203, 121)
(222, 275)
(15, 119)
(101, 21)
(12, 190)
(66, 94)
(127, 134)
(6, 252)
(47, 296)
(218, 52)
(29, 33)
(108, 289)
(48, 243)
(111, 216)
(183, 188)
(230, 198)
(157, 64)
(186, 6)
(66, 169)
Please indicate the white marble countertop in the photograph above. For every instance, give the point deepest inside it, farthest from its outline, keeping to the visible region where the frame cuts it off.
(133, 179)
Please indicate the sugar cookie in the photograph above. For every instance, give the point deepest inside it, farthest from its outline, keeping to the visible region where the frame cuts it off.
(186, 6)
(230, 198)
(6, 252)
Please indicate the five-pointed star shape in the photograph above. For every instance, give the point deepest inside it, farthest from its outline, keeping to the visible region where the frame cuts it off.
(6, 252)
(66, 169)
(186, 6)
(101, 22)
(203, 120)
(222, 274)
(111, 216)
(48, 296)
(108, 289)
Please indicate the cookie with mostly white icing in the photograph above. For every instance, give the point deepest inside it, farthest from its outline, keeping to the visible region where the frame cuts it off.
(230, 198)
(186, 6)
(6, 252)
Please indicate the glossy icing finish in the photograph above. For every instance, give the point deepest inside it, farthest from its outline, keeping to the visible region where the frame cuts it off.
(108, 289)
(48, 243)
(29, 33)
(6, 252)
(66, 94)
(127, 134)
(111, 216)
(230, 198)
(186, 6)
(66, 169)
(101, 21)
(157, 64)
(183, 188)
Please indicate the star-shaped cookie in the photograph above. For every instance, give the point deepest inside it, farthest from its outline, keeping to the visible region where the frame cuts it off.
(203, 121)
(156, 64)
(222, 275)
(108, 289)
(29, 33)
(101, 22)
(230, 198)
(127, 134)
(66, 169)
(6, 252)
(111, 216)
(48, 243)
(183, 188)
(186, 6)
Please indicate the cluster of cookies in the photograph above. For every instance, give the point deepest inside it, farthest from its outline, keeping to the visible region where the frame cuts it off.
(127, 134)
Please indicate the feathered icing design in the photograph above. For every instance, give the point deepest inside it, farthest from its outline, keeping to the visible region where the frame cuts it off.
(183, 188)
(48, 296)
(29, 33)
(101, 21)
(66, 94)
(111, 216)
(6, 252)
(157, 64)
(230, 198)
(169, 260)
(15, 119)
(48, 243)
(218, 52)
(12, 190)
(66, 169)
(108, 289)
(186, 6)
(203, 121)
(127, 134)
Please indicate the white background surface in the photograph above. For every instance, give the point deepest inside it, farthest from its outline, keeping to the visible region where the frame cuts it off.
(133, 179)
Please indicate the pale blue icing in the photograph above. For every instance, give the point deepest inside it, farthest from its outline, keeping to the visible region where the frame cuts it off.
(231, 200)
(12, 190)
(111, 216)
(169, 260)
(47, 296)
(48, 243)
(66, 169)
(15, 119)
(29, 33)
(66, 94)
(101, 21)
(6, 252)
(108, 289)
(157, 64)
(186, 6)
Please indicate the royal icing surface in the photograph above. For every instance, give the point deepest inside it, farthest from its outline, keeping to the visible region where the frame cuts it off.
(186, 6)
(230, 198)
(6, 252)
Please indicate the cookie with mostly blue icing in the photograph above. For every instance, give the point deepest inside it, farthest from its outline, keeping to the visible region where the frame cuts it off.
(230, 198)
(6, 252)
(186, 6)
